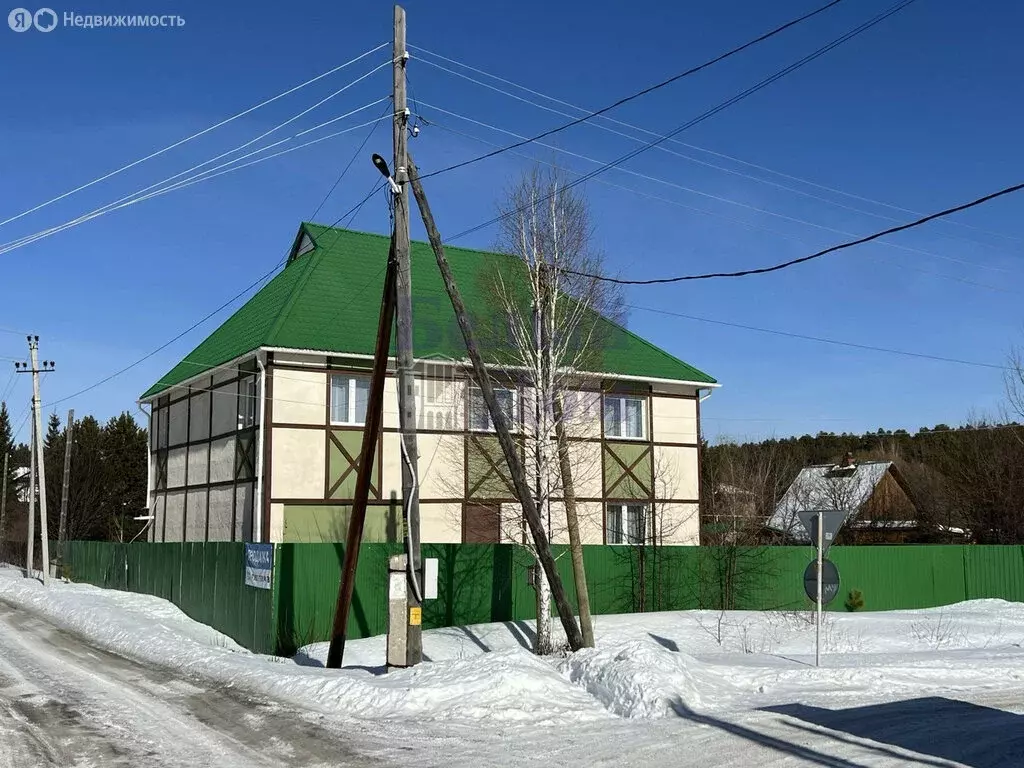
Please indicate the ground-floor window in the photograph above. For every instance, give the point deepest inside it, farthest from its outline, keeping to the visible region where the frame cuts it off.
(625, 523)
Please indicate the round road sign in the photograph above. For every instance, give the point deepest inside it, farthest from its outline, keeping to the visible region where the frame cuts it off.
(829, 581)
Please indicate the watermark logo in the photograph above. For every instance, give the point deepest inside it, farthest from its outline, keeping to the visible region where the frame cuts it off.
(46, 20)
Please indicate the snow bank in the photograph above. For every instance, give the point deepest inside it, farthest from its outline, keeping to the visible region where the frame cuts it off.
(509, 686)
(645, 665)
(638, 679)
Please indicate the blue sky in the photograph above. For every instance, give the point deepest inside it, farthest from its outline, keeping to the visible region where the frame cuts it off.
(921, 112)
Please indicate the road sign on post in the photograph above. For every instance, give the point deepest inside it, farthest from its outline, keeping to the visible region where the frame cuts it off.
(829, 581)
(833, 521)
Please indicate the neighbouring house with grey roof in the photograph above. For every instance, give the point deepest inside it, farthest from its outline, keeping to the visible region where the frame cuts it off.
(881, 508)
(256, 434)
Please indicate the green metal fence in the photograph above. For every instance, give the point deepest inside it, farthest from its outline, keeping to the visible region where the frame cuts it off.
(482, 582)
(203, 579)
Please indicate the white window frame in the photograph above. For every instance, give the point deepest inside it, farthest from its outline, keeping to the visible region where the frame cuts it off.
(623, 534)
(350, 420)
(247, 397)
(621, 405)
(472, 391)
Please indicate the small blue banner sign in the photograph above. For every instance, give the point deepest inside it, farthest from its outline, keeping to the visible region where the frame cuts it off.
(259, 565)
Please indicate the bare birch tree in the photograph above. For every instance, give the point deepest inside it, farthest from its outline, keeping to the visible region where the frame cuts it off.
(547, 328)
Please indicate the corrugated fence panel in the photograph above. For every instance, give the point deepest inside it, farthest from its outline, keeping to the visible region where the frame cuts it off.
(204, 580)
(482, 583)
(994, 571)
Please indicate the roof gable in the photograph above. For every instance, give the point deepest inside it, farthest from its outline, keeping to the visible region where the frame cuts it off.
(327, 298)
(824, 487)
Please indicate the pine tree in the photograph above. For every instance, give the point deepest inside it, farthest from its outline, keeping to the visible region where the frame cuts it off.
(124, 445)
(53, 456)
(6, 449)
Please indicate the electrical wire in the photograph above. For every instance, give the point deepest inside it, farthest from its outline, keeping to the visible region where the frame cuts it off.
(348, 165)
(726, 200)
(195, 325)
(689, 124)
(138, 196)
(645, 91)
(206, 176)
(194, 135)
(810, 257)
(824, 340)
(675, 153)
(748, 224)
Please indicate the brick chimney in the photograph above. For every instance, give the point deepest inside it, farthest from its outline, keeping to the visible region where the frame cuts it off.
(847, 461)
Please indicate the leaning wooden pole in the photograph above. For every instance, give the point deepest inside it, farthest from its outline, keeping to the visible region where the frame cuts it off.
(63, 527)
(508, 445)
(371, 431)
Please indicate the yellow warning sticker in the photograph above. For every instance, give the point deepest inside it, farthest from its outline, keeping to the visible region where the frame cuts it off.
(415, 616)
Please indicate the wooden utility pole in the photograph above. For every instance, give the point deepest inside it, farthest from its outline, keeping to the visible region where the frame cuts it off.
(371, 432)
(62, 529)
(501, 427)
(403, 343)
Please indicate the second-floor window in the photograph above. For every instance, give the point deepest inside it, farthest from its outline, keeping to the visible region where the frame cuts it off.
(480, 418)
(349, 397)
(624, 416)
(247, 402)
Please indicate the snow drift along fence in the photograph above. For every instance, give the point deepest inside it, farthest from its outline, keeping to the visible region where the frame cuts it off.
(483, 582)
(203, 579)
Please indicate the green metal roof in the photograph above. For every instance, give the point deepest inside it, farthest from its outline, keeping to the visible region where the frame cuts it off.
(328, 299)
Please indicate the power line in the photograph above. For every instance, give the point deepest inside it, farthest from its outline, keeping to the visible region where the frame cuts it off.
(194, 135)
(210, 174)
(705, 212)
(348, 165)
(824, 340)
(727, 200)
(354, 210)
(645, 91)
(689, 124)
(817, 255)
(684, 156)
(138, 196)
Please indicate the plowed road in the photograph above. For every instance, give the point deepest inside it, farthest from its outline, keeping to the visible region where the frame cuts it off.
(64, 703)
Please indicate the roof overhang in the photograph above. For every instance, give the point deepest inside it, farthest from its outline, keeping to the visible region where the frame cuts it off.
(466, 363)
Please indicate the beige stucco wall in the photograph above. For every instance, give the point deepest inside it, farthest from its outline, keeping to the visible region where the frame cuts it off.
(441, 523)
(675, 473)
(298, 466)
(678, 523)
(590, 515)
(391, 465)
(441, 466)
(586, 469)
(277, 522)
(675, 419)
(300, 397)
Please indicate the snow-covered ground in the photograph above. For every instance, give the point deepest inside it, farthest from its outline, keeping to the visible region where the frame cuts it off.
(698, 687)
